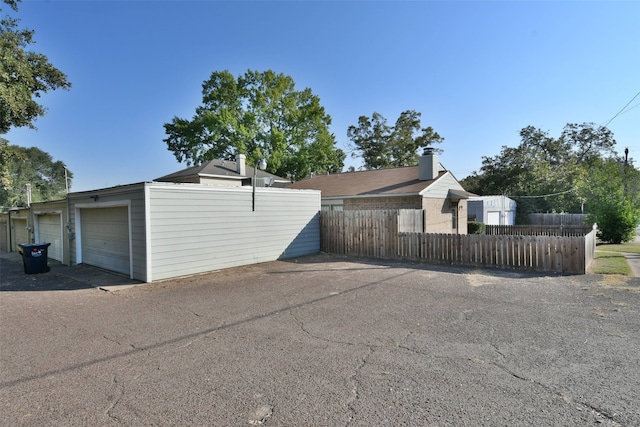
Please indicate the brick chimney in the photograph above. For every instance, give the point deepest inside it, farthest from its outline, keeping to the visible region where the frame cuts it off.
(429, 165)
(241, 167)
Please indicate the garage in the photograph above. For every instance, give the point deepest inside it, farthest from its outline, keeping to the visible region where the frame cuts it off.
(20, 232)
(4, 234)
(48, 228)
(104, 238)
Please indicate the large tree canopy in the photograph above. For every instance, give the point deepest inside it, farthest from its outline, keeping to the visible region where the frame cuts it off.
(24, 75)
(30, 166)
(383, 146)
(262, 115)
(542, 173)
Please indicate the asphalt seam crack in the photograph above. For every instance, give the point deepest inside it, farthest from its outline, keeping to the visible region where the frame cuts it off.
(598, 413)
(317, 337)
(356, 385)
(114, 403)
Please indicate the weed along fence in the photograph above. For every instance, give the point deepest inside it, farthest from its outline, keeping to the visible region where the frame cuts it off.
(377, 234)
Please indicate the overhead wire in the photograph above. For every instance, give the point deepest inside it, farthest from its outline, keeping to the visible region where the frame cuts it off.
(544, 195)
(623, 109)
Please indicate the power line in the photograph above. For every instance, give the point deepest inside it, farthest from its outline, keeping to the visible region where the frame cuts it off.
(543, 195)
(622, 110)
(630, 108)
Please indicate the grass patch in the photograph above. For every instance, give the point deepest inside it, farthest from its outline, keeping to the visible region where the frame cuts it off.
(632, 248)
(610, 263)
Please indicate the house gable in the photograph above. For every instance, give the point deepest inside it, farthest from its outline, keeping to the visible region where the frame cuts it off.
(440, 188)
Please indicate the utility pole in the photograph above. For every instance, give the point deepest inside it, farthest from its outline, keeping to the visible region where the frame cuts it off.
(29, 195)
(624, 171)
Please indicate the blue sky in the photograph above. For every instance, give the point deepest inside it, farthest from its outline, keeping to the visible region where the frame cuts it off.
(477, 71)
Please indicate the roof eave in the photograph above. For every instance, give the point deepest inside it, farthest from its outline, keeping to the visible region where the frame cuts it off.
(370, 196)
(210, 175)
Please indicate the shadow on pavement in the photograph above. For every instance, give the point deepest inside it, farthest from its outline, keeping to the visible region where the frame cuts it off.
(59, 278)
(323, 258)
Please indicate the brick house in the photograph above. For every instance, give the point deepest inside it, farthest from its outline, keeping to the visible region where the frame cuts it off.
(428, 186)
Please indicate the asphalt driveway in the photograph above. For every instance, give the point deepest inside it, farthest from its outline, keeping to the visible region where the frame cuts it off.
(323, 341)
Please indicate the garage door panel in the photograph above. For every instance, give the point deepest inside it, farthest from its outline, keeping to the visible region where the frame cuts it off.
(493, 218)
(105, 238)
(4, 236)
(20, 232)
(50, 231)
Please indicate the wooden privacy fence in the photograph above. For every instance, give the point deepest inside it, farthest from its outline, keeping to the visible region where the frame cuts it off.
(557, 219)
(538, 230)
(375, 234)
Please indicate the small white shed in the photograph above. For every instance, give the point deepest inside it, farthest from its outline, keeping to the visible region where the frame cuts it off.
(492, 210)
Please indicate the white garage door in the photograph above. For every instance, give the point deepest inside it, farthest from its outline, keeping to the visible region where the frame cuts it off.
(4, 238)
(105, 238)
(49, 230)
(493, 218)
(20, 232)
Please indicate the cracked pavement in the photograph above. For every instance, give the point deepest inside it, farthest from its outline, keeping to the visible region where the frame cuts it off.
(325, 341)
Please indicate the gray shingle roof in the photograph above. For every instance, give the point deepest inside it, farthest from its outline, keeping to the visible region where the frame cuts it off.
(392, 182)
(221, 168)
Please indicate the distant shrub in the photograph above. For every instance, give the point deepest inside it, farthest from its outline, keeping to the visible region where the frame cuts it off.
(476, 227)
(617, 221)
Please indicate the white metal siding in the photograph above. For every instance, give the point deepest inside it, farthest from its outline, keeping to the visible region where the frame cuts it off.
(105, 238)
(195, 229)
(49, 230)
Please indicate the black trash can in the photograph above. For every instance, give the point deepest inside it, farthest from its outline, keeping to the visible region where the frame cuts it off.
(34, 257)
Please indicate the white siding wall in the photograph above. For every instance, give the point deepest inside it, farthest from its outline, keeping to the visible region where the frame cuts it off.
(195, 229)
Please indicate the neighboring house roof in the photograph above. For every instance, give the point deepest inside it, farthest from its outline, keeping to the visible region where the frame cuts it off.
(223, 169)
(376, 183)
(394, 181)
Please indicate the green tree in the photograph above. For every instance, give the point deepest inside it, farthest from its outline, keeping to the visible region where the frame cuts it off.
(610, 189)
(24, 75)
(383, 146)
(262, 115)
(542, 172)
(35, 167)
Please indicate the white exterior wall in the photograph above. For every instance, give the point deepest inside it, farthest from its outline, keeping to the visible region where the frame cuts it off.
(194, 229)
(485, 208)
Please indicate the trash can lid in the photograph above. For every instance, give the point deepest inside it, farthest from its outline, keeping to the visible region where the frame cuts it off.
(33, 245)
